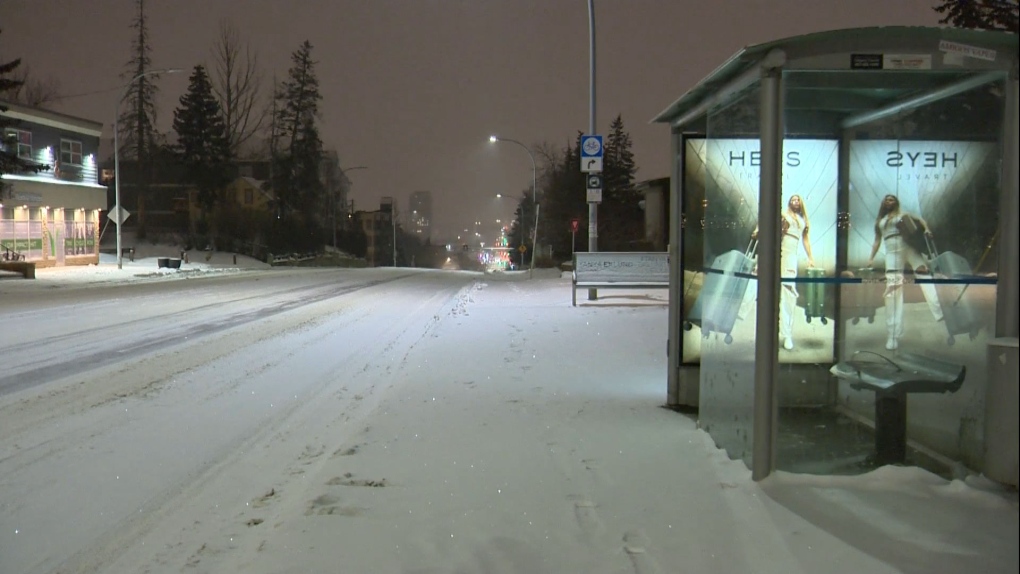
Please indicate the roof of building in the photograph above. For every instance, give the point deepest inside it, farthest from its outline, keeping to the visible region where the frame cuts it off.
(52, 119)
(257, 184)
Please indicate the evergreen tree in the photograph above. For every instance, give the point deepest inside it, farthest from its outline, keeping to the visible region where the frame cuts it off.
(1002, 15)
(564, 199)
(9, 160)
(137, 137)
(621, 220)
(296, 145)
(202, 143)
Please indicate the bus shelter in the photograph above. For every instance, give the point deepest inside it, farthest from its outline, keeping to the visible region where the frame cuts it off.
(843, 246)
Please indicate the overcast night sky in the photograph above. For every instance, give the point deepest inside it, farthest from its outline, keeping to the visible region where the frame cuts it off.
(413, 88)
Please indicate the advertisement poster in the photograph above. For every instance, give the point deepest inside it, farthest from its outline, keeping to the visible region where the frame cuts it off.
(923, 217)
(952, 185)
(721, 218)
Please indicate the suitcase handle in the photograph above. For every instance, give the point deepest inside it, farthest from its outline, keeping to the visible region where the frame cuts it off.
(929, 242)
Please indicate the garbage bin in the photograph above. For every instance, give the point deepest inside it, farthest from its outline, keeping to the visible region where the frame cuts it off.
(1001, 411)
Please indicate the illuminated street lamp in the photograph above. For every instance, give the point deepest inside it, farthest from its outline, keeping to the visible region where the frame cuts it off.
(116, 155)
(534, 190)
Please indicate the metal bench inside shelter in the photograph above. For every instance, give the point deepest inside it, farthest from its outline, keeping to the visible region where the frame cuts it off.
(892, 379)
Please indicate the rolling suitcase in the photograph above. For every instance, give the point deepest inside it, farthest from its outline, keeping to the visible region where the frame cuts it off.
(814, 295)
(861, 300)
(723, 291)
(958, 311)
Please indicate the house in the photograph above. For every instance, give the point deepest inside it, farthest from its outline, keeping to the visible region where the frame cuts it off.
(52, 217)
(249, 193)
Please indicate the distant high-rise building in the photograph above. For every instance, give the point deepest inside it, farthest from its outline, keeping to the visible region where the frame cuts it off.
(420, 214)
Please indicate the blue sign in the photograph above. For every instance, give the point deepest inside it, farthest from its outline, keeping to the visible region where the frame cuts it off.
(591, 146)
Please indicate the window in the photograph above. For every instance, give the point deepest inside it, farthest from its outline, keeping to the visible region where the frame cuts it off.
(70, 152)
(20, 138)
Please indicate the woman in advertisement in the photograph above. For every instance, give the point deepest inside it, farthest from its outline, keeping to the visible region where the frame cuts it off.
(795, 226)
(890, 225)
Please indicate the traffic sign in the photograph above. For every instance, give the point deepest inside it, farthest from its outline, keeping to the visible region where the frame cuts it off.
(575, 224)
(591, 153)
(591, 146)
(522, 248)
(118, 215)
(591, 164)
(594, 181)
(594, 196)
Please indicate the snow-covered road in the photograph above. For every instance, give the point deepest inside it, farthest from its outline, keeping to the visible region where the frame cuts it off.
(117, 409)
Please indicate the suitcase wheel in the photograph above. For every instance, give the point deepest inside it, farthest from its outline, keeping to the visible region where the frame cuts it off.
(855, 320)
(728, 339)
(688, 326)
(809, 319)
(825, 321)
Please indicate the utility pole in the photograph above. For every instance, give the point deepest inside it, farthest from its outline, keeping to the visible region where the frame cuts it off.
(593, 207)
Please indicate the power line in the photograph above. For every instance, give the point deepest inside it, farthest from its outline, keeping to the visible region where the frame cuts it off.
(82, 95)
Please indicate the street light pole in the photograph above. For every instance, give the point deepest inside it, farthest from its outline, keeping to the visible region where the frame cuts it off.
(593, 207)
(116, 155)
(534, 192)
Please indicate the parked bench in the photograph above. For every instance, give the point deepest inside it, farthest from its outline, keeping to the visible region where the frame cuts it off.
(892, 379)
(619, 270)
(26, 268)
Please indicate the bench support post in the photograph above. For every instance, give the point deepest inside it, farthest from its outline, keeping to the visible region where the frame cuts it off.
(890, 428)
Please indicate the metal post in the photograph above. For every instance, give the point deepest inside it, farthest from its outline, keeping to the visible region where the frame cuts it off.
(676, 277)
(534, 197)
(1007, 293)
(534, 242)
(393, 219)
(116, 181)
(766, 364)
(593, 208)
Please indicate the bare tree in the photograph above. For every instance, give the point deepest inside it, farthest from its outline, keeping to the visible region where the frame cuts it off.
(237, 84)
(32, 92)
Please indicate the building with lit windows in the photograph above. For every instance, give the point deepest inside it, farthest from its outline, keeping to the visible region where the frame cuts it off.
(52, 217)
(421, 214)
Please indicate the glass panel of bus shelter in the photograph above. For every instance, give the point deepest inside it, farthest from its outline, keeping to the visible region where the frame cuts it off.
(914, 310)
(722, 182)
